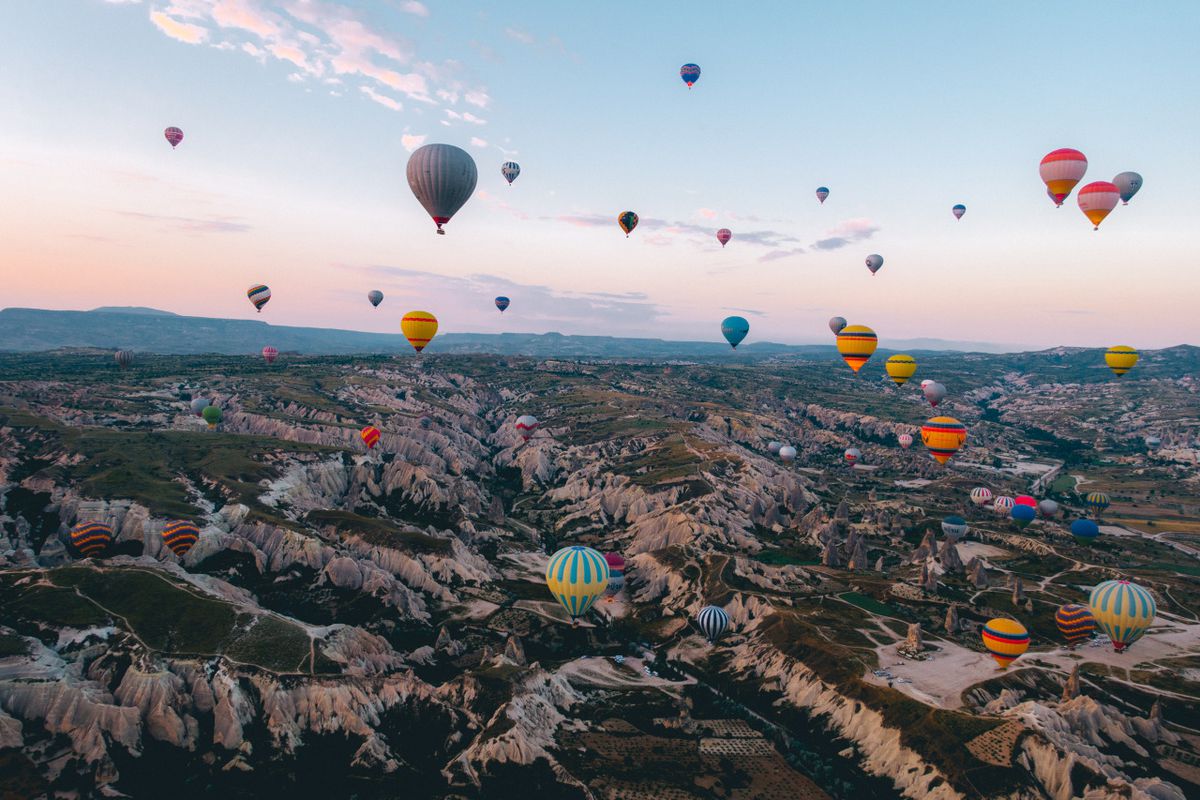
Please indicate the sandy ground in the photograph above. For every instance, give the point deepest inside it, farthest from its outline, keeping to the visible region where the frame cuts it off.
(952, 669)
(524, 566)
(607, 674)
(474, 609)
(969, 549)
(915, 483)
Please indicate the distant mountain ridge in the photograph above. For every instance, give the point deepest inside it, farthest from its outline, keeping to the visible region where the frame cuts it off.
(151, 330)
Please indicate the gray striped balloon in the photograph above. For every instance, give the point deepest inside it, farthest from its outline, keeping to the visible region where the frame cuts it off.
(712, 621)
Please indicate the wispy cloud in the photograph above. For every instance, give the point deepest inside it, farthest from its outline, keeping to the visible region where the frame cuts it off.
(214, 224)
(415, 8)
(382, 99)
(181, 31)
(751, 311)
(776, 255)
(477, 142)
(707, 213)
(516, 34)
(412, 141)
(845, 233)
(465, 116)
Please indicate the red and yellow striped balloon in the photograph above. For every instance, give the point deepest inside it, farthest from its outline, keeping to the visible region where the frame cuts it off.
(180, 535)
(1006, 639)
(1061, 170)
(1097, 200)
(943, 436)
(91, 538)
(419, 327)
(370, 436)
(856, 343)
(1075, 623)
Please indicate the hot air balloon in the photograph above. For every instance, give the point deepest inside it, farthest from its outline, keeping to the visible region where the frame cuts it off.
(690, 73)
(1085, 531)
(199, 404)
(926, 382)
(934, 392)
(905, 440)
(958, 211)
(370, 436)
(1048, 507)
(179, 536)
(502, 303)
(1023, 515)
(616, 580)
(124, 358)
(628, 221)
(1097, 502)
(1120, 359)
(943, 436)
(175, 136)
(836, 324)
(981, 495)
(954, 528)
(1025, 500)
(874, 262)
(1075, 623)
(1003, 505)
(614, 561)
(822, 193)
(576, 577)
(259, 295)
(1153, 442)
(1097, 200)
(442, 177)
(734, 329)
(724, 235)
(212, 415)
(526, 425)
(712, 622)
(1060, 171)
(270, 354)
(375, 296)
(787, 454)
(856, 343)
(1006, 639)
(900, 368)
(1123, 610)
(773, 447)
(852, 455)
(510, 170)
(90, 539)
(419, 327)
(1127, 184)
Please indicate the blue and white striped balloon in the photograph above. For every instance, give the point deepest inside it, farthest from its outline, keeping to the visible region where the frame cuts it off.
(712, 621)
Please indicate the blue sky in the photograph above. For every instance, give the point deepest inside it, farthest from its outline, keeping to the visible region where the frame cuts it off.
(299, 116)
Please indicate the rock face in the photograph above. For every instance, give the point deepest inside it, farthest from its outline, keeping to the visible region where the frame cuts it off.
(949, 559)
(952, 624)
(856, 546)
(1018, 590)
(977, 573)
(914, 642)
(926, 550)
(1071, 687)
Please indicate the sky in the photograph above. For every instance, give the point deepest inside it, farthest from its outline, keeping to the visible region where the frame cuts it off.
(299, 117)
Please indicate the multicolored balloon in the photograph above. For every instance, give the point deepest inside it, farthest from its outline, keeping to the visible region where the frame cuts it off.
(1085, 531)
(712, 622)
(615, 561)
(124, 358)
(954, 527)
(836, 324)
(175, 136)
(734, 329)
(375, 297)
(1023, 515)
(981, 496)
(1123, 610)
(787, 454)
(370, 436)
(874, 262)
(1097, 200)
(180, 536)
(822, 193)
(526, 425)
(958, 211)
(1060, 171)
(90, 539)
(856, 344)
(419, 327)
(616, 580)
(576, 577)
(502, 303)
(905, 440)
(1003, 505)
(690, 73)
(1121, 358)
(259, 294)
(628, 221)
(1006, 639)
(1075, 623)
(724, 235)
(269, 354)
(852, 455)
(943, 436)
(510, 170)
(212, 415)
(900, 368)
(442, 178)
(1097, 501)
(1128, 184)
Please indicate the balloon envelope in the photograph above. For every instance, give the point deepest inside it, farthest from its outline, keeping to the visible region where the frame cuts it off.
(905, 440)
(1120, 359)
(934, 392)
(690, 73)
(1127, 184)
(1075, 623)
(1060, 170)
(734, 329)
(269, 354)
(576, 576)
(856, 343)
(943, 436)
(874, 262)
(199, 404)
(212, 415)
(502, 303)
(442, 178)
(370, 436)
(981, 495)
(1123, 610)
(1085, 531)
(836, 324)
(1003, 504)
(526, 425)
(1097, 501)
(954, 528)
(375, 297)
(852, 455)
(90, 539)
(419, 327)
(179, 536)
(900, 368)
(124, 358)
(822, 193)
(712, 622)
(175, 136)
(958, 211)
(259, 294)
(787, 453)
(1097, 200)
(724, 235)
(1006, 639)
(1048, 508)
(1023, 515)
(628, 221)
(510, 170)
(773, 447)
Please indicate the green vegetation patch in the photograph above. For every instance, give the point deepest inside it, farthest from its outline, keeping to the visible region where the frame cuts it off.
(12, 645)
(868, 603)
(379, 532)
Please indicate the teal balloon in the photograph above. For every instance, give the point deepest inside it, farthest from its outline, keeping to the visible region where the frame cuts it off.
(734, 329)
